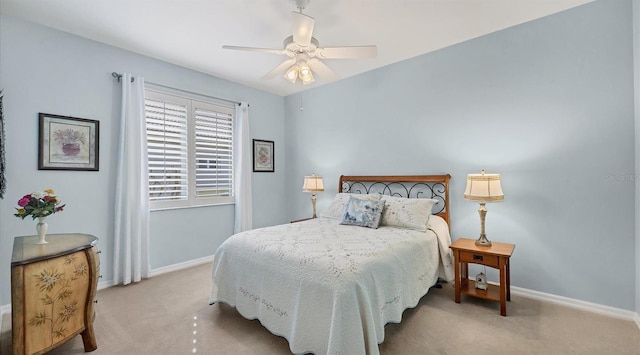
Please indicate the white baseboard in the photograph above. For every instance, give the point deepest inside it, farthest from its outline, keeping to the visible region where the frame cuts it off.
(105, 284)
(180, 266)
(523, 292)
(577, 304)
(165, 269)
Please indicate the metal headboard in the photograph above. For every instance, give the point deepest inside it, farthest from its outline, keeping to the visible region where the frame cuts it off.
(410, 186)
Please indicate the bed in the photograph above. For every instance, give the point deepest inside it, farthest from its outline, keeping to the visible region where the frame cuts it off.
(329, 286)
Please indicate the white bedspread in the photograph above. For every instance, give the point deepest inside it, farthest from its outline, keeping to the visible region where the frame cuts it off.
(329, 288)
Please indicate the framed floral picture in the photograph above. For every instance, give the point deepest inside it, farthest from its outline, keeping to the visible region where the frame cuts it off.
(68, 143)
(263, 156)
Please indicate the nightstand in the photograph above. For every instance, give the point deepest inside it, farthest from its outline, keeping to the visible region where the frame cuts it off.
(465, 251)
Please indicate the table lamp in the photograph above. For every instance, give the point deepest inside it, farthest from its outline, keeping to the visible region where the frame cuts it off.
(313, 184)
(483, 188)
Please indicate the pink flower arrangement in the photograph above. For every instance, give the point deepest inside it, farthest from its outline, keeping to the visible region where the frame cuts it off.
(38, 204)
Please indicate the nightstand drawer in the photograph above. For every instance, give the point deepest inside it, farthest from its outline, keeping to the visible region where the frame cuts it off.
(479, 258)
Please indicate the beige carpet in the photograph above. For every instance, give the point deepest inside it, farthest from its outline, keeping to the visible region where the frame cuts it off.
(169, 314)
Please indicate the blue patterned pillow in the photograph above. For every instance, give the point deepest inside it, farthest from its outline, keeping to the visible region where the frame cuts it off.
(363, 213)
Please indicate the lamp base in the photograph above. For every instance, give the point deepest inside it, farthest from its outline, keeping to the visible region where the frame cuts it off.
(483, 241)
(313, 202)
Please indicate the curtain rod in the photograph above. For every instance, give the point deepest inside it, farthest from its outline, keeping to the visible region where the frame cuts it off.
(119, 76)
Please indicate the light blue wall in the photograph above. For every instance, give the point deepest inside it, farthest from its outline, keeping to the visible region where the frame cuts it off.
(43, 70)
(548, 104)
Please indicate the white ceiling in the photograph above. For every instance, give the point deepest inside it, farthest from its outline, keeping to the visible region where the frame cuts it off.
(191, 33)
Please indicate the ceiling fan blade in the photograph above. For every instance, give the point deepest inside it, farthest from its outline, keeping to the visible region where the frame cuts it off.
(279, 70)
(347, 52)
(253, 49)
(323, 70)
(302, 28)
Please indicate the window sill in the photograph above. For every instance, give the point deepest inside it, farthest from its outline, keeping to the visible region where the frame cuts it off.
(185, 207)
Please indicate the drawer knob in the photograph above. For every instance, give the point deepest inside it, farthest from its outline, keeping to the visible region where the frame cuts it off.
(95, 301)
(477, 257)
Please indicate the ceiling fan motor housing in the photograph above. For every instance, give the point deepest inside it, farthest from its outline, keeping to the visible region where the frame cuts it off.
(293, 47)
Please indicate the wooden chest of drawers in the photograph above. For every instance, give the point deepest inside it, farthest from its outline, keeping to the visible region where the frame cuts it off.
(53, 287)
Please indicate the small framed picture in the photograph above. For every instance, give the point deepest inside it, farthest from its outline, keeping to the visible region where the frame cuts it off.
(263, 156)
(68, 143)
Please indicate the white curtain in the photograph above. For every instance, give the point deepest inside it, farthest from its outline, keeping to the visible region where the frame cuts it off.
(131, 244)
(242, 170)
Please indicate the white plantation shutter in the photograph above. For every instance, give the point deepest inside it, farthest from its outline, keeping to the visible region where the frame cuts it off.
(167, 149)
(213, 150)
(190, 145)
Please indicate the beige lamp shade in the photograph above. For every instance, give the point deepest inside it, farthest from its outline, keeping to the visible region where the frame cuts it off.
(483, 188)
(313, 184)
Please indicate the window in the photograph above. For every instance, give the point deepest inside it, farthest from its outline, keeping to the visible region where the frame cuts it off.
(190, 148)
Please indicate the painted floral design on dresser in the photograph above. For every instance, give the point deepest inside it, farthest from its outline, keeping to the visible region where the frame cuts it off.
(58, 303)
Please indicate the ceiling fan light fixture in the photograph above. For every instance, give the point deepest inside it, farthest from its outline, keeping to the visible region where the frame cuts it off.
(304, 69)
(292, 73)
(308, 79)
(306, 75)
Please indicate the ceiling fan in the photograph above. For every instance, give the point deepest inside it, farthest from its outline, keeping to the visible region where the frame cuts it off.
(305, 54)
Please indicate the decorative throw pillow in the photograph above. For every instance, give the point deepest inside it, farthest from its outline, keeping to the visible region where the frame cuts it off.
(336, 209)
(363, 213)
(410, 213)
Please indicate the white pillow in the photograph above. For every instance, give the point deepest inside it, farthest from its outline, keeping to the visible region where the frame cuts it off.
(339, 203)
(410, 213)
